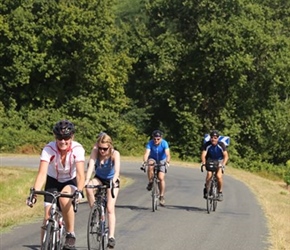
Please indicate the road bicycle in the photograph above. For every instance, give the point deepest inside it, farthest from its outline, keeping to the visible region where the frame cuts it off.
(155, 194)
(212, 190)
(54, 228)
(97, 228)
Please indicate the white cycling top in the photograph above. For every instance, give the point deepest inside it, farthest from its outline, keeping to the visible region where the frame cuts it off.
(56, 170)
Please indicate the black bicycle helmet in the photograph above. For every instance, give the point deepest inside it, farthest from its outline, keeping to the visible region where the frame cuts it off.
(214, 133)
(156, 133)
(64, 129)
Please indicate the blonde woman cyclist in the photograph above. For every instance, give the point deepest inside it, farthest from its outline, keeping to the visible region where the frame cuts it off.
(105, 163)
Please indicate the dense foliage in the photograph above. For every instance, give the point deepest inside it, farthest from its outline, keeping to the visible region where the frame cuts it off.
(128, 67)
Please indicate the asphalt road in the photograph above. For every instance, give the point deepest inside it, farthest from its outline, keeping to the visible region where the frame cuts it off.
(238, 223)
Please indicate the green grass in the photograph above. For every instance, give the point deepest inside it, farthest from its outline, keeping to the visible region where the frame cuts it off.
(15, 183)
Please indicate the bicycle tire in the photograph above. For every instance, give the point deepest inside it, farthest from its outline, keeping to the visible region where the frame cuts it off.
(105, 239)
(214, 196)
(208, 202)
(94, 239)
(61, 232)
(47, 243)
(154, 196)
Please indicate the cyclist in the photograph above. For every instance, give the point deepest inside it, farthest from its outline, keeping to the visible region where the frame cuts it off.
(61, 168)
(157, 150)
(105, 163)
(214, 150)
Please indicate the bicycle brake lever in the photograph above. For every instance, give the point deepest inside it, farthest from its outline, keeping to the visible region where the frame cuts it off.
(75, 205)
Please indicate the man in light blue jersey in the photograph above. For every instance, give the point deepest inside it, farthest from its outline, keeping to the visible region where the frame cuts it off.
(157, 150)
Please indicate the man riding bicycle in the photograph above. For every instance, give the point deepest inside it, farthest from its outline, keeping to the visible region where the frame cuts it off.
(157, 150)
(214, 150)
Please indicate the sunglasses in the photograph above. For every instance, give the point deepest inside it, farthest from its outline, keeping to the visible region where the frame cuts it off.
(104, 149)
(214, 137)
(60, 138)
(157, 138)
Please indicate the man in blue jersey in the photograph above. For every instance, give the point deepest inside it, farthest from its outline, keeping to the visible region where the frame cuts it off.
(157, 150)
(214, 150)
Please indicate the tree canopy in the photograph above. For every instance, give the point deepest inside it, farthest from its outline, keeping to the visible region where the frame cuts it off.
(129, 67)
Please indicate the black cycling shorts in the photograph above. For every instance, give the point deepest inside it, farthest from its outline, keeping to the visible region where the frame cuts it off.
(107, 181)
(54, 185)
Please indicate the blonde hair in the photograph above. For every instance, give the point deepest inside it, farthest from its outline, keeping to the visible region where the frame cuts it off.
(106, 139)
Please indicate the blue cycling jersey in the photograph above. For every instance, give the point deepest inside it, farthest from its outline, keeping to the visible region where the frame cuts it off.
(214, 152)
(157, 152)
(105, 171)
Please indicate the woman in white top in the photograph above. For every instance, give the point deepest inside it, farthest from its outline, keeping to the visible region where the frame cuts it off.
(61, 168)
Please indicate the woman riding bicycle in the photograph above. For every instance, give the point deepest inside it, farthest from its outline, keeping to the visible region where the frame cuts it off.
(214, 150)
(105, 162)
(61, 168)
(157, 150)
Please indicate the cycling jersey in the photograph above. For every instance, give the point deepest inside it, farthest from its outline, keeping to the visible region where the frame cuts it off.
(56, 170)
(214, 152)
(106, 170)
(157, 152)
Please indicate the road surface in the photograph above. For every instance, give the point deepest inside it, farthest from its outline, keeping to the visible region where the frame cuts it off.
(238, 223)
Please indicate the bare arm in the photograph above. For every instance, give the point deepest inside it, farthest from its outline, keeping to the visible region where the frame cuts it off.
(226, 157)
(146, 154)
(41, 176)
(168, 156)
(80, 166)
(91, 164)
(117, 165)
(203, 157)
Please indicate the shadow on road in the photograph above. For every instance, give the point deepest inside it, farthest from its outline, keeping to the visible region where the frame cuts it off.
(167, 206)
(32, 247)
(132, 207)
(186, 208)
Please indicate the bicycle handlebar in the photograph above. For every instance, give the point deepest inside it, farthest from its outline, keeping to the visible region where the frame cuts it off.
(111, 186)
(55, 195)
(145, 165)
(222, 167)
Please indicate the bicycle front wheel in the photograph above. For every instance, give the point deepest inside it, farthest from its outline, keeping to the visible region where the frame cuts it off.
(208, 202)
(47, 243)
(94, 238)
(214, 196)
(155, 195)
(105, 239)
(60, 233)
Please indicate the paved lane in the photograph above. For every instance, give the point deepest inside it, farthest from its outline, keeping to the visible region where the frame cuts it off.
(237, 224)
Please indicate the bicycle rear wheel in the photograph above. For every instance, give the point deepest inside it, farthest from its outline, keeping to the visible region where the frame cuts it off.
(47, 243)
(155, 195)
(94, 239)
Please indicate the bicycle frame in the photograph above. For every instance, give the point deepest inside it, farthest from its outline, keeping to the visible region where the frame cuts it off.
(155, 189)
(212, 190)
(97, 229)
(211, 201)
(155, 194)
(54, 229)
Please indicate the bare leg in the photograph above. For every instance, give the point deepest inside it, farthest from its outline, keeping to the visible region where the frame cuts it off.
(111, 211)
(67, 209)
